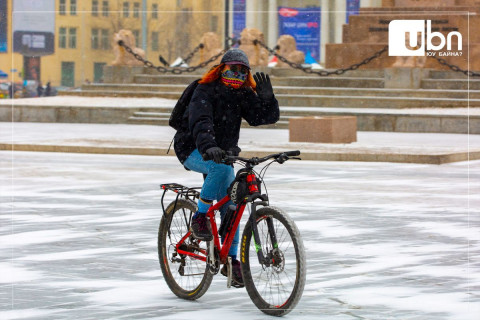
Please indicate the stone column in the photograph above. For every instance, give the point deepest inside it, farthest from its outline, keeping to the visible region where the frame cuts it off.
(272, 34)
(325, 28)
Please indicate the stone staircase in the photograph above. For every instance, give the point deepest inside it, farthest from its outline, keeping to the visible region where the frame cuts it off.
(361, 93)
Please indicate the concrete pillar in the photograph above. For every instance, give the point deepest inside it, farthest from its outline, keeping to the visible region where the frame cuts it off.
(340, 19)
(325, 28)
(370, 3)
(272, 27)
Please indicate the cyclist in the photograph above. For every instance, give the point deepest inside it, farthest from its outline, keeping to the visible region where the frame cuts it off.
(211, 125)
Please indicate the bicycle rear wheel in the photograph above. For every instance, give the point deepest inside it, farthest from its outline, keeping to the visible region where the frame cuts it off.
(186, 276)
(274, 289)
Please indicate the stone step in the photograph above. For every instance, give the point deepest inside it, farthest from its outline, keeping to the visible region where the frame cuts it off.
(451, 84)
(283, 72)
(351, 82)
(366, 121)
(328, 101)
(178, 88)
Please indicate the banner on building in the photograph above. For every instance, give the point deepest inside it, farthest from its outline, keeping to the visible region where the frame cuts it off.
(239, 7)
(33, 27)
(353, 6)
(304, 25)
(3, 25)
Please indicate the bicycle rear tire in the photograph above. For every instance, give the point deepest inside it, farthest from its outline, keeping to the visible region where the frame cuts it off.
(276, 289)
(196, 278)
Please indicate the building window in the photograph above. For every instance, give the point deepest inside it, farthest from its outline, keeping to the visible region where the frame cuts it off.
(154, 11)
(105, 8)
(155, 46)
(126, 9)
(136, 34)
(105, 39)
(94, 38)
(62, 7)
(72, 38)
(136, 10)
(62, 37)
(73, 7)
(94, 7)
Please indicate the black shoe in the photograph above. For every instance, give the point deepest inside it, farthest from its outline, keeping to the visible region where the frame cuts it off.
(237, 278)
(200, 228)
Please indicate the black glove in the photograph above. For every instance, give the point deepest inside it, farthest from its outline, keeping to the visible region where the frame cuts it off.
(264, 86)
(234, 151)
(215, 154)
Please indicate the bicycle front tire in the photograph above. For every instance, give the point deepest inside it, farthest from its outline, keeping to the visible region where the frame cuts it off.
(187, 277)
(275, 289)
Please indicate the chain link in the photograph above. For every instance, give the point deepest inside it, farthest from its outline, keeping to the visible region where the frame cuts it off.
(161, 69)
(323, 73)
(456, 68)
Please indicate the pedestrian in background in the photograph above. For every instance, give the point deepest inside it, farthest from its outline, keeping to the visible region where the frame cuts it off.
(48, 90)
(40, 89)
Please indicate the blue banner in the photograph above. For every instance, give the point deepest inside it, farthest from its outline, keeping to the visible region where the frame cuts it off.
(304, 25)
(3, 25)
(239, 7)
(353, 6)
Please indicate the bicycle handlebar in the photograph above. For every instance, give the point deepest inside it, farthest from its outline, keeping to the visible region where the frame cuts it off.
(279, 157)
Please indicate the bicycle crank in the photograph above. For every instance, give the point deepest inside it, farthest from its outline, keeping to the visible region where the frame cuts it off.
(213, 258)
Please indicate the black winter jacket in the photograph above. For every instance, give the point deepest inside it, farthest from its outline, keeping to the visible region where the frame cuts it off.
(214, 116)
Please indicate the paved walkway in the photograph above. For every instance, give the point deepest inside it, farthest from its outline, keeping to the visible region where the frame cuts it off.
(154, 140)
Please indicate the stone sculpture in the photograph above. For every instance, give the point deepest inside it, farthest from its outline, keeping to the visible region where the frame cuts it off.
(211, 47)
(288, 49)
(257, 55)
(122, 57)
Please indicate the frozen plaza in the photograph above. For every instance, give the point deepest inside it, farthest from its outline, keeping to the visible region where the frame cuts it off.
(383, 240)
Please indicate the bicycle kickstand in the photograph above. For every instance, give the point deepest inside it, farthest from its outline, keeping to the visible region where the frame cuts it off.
(229, 272)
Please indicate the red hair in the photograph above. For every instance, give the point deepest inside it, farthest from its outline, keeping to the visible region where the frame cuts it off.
(214, 73)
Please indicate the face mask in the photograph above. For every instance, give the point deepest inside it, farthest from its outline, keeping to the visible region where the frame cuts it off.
(234, 75)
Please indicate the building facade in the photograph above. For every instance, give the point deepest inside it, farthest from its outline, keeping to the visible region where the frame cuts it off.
(84, 32)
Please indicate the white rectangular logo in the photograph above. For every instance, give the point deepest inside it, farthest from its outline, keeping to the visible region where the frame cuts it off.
(414, 38)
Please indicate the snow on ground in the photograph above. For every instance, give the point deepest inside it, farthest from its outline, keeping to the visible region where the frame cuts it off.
(383, 241)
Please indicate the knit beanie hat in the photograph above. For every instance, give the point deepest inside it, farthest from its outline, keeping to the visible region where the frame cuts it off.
(235, 56)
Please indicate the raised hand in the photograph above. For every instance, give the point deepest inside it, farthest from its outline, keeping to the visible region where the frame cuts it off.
(264, 86)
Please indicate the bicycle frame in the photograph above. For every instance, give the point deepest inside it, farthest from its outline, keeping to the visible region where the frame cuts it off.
(222, 249)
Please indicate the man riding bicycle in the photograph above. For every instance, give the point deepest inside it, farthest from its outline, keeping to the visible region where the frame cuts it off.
(211, 126)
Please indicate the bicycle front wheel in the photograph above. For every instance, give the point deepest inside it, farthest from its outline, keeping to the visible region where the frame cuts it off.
(277, 288)
(186, 275)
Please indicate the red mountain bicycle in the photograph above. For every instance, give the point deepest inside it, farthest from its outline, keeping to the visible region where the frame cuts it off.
(271, 250)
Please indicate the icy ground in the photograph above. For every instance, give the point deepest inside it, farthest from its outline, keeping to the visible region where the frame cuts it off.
(383, 241)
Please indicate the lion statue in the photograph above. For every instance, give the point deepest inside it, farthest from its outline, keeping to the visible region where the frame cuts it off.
(288, 49)
(211, 47)
(257, 55)
(122, 57)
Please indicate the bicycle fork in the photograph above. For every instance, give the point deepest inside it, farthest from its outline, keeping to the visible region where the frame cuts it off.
(266, 261)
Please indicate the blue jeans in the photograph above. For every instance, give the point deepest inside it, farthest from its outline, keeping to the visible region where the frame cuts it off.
(219, 178)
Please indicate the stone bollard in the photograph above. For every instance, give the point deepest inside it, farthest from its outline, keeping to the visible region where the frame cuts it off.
(405, 78)
(325, 129)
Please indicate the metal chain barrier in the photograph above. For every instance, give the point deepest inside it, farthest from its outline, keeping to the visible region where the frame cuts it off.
(294, 65)
(161, 69)
(456, 68)
(322, 73)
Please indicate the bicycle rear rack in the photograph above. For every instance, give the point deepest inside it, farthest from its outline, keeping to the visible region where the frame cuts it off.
(181, 191)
